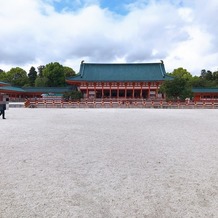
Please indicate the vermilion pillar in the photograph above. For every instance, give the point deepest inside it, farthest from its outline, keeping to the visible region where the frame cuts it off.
(141, 91)
(156, 92)
(102, 91)
(149, 89)
(95, 89)
(133, 91)
(87, 91)
(125, 90)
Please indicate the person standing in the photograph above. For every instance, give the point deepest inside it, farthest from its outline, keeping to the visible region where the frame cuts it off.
(2, 107)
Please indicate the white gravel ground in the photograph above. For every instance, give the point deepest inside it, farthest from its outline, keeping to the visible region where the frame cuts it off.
(109, 163)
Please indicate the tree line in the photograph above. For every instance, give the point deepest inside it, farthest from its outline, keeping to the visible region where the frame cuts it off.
(181, 86)
(50, 75)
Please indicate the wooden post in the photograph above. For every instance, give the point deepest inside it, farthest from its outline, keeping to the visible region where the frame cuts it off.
(102, 91)
(95, 89)
(156, 92)
(141, 91)
(149, 88)
(125, 90)
(133, 90)
(87, 91)
(118, 91)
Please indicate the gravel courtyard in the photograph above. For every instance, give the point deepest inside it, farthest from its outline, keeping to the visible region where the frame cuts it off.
(124, 163)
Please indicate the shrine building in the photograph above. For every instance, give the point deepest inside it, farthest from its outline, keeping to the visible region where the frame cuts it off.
(111, 81)
(205, 94)
(21, 93)
(121, 81)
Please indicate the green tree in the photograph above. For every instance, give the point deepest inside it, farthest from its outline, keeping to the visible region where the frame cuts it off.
(207, 75)
(41, 82)
(215, 75)
(17, 77)
(3, 76)
(177, 89)
(73, 95)
(32, 75)
(197, 82)
(68, 72)
(40, 69)
(181, 73)
(208, 78)
(215, 78)
(54, 72)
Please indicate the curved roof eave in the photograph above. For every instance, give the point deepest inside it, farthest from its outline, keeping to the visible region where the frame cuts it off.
(205, 90)
(11, 89)
(4, 84)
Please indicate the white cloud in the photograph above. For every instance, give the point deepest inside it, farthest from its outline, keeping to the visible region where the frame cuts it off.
(33, 33)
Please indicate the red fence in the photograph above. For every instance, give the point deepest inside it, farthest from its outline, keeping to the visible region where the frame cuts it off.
(118, 104)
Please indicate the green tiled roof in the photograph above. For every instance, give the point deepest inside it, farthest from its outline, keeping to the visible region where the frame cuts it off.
(205, 90)
(121, 72)
(3, 83)
(44, 90)
(11, 88)
(47, 89)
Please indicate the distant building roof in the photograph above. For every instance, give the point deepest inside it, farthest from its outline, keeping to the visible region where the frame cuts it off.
(11, 88)
(47, 89)
(4, 84)
(205, 90)
(121, 72)
(37, 89)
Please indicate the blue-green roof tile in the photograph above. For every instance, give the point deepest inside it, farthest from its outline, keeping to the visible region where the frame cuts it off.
(4, 84)
(205, 90)
(121, 72)
(11, 88)
(47, 89)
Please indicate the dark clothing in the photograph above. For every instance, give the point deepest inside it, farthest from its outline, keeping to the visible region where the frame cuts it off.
(2, 110)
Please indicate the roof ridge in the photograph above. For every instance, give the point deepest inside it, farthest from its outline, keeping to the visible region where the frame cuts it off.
(157, 63)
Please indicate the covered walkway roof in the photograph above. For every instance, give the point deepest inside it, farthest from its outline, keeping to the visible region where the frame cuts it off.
(39, 90)
(205, 90)
(4, 84)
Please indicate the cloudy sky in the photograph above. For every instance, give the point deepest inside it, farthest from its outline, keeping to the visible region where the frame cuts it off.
(183, 33)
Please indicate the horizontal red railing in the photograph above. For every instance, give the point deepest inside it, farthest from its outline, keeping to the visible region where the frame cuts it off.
(39, 103)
